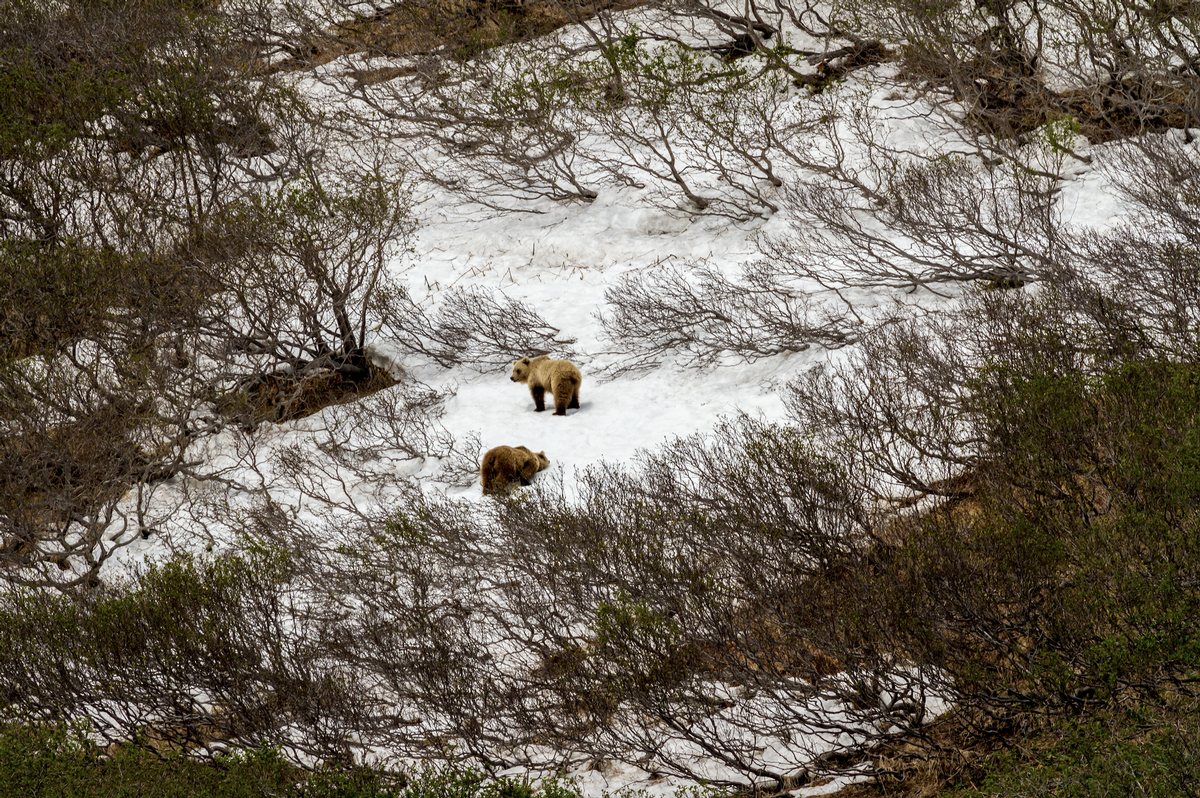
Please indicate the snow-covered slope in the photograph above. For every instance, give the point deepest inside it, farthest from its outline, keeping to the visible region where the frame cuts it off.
(558, 259)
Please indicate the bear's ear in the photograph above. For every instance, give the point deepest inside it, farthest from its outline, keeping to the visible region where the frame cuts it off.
(525, 360)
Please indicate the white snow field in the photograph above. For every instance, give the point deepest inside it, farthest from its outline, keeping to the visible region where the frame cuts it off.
(558, 259)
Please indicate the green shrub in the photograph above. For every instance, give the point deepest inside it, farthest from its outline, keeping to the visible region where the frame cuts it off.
(54, 761)
(1067, 572)
(1142, 750)
(51, 761)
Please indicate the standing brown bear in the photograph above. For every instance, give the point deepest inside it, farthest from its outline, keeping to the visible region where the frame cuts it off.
(507, 464)
(559, 377)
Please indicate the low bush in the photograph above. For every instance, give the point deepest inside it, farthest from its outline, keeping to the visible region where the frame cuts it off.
(1150, 750)
(56, 761)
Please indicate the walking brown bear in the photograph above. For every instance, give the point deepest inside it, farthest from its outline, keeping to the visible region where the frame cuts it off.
(542, 374)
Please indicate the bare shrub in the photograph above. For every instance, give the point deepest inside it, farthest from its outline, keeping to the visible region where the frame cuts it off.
(128, 121)
(699, 110)
(360, 448)
(63, 481)
(909, 393)
(488, 334)
(130, 126)
(1016, 67)
(1145, 271)
(664, 585)
(924, 221)
(461, 466)
(697, 312)
(335, 468)
(1017, 409)
(907, 220)
(1154, 273)
(93, 404)
(301, 276)
(396, 599)
(705, 129)
(610, 628)
(1157, 174)
(742, 591)
(507, 126)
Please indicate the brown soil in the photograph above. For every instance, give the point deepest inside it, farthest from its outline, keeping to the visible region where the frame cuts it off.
(1008, 98)
(463, 28)
(283, 397)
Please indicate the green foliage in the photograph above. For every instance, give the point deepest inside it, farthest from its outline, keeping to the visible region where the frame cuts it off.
(153, 66)
(310, 224)
(1085, 531)
(1143, 750)
(42, 110)
(53, 761)
(1060, 134)
(655, 76)
(185, 624)
(53, 295)
(641, 643)
(455, 782)
(61, 761)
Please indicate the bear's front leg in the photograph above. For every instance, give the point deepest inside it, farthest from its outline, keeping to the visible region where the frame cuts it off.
(539, 398)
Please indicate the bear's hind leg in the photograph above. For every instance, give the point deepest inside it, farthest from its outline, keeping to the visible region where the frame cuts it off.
(560, 405)
(574, 403)
(487, 472)
(539, 398)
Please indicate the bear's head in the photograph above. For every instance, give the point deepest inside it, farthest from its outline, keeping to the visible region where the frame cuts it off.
(543, 461)
(521, 370)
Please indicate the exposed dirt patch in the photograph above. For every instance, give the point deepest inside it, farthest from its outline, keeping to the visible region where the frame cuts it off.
(1007, 97)
(283, 397)
(462, 28)
(836, 64)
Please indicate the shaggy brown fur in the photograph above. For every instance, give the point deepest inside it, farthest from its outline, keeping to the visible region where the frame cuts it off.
(507, 464)
(559, 377)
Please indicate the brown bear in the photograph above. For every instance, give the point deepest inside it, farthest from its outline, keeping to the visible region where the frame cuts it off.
(560, 377)
(507, 464)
